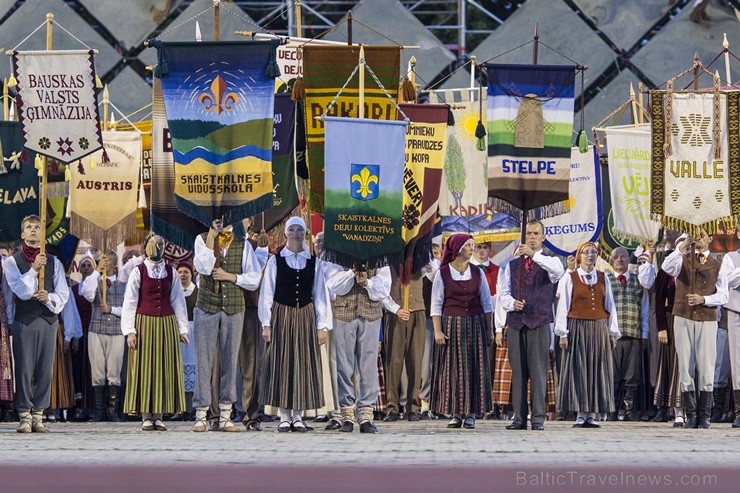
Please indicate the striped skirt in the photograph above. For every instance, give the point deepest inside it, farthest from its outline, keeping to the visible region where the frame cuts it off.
(461, 374)
(586, 372)
(502, 373)
(6, 361)
(62, 383)
(291, 376)
(667, 385)
(154, 382)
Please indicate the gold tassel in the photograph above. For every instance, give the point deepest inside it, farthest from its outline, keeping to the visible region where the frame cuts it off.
(67, 174)
(262, 239)
(408, 90)
(38, 161)
(11, 81)
(93, 164)
(98, 82)
(299, 90)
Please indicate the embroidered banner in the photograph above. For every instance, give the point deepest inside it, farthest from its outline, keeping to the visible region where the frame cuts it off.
(19, 183)
(364, 191)
(115, 183)
(57, 203)
(143, 211)
(530, 127)
(219, 99)
(629, 176)
(609, 239)
(464, 189)
(166, 219)
(697, 185)
(326, 69)
(426, 138)
(584, 220)
(56, 103)
(285, 194)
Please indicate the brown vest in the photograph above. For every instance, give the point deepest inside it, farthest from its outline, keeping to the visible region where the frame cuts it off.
(587, 302)
(416, 296)
(704, 284)
(357, 304)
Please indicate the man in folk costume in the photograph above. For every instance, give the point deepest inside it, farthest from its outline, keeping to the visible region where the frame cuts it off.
(357, 317)
(731, 269)
(219, 316)
(633, 312)
(80, 360)
(530, 313)
(481, 258)
(700, 289)
(105, 341)
(427, 358)
(32, 312)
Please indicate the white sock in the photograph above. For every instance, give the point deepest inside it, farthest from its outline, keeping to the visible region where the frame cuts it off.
(284, 414)
(297, 415)
(581, 418)
(591, 417)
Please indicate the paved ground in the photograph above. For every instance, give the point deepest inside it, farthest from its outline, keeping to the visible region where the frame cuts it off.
(423, 456)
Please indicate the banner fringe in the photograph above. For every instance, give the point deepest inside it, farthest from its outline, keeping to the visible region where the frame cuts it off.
(172, 233)
(719, 225)
(104, 239)
(350, 262)
(233, 215)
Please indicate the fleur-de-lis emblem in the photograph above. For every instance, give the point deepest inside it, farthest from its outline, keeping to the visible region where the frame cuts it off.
(365, 178)
(218, 100)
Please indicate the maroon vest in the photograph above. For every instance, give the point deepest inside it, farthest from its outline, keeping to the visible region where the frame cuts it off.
(154, 294)
(462, 298)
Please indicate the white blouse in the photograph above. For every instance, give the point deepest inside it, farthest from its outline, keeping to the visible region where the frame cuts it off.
(321, 303)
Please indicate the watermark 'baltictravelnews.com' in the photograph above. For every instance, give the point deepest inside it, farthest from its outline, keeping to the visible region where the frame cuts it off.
(615, 479)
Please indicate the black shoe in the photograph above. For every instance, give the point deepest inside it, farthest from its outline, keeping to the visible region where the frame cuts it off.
(321, 419)
(660, 417)
(612, 417)
(367, 427)
(238, 416)
(347, 427)
(298, 427)
(332, 425)
(517, 426)
(253, 426)
(428, 415)
(538, 427)
(284, 427)
(392, 416)
(579, 424)
(455, 423)
(469, 423)
(591, 423)
(414, 416)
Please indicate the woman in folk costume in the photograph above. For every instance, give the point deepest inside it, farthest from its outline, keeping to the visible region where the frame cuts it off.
(187, 273)
(62, 379)
(6, 368)
(461, 312)
(586, 323)
(295, 314)
(154, 320)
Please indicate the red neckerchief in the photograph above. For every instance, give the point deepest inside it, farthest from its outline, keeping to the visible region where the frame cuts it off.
(30, 252)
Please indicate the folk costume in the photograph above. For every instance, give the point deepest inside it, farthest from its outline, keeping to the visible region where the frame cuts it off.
(586, 314)
(62, 380)
(219, 319)
(188, 350)
(461, 384)
(731, 269)
(154, 309)
(105, 343)
(695, 328)
(6, 368)
(294, 303)
(357, 319)
(34, 329)
(528, 336)
(84, 394)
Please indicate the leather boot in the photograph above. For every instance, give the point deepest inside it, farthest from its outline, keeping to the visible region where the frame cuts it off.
(661, 416)
(629, 404)
(718, 395)
(705, 409)
(689, 410)
(736, 423)
(728, 412)
(99, 415)
(113, 393)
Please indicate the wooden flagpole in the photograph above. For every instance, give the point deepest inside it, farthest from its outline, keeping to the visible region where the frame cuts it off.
(298, 20)
(5, 99)
(216, 20)
(43, 172)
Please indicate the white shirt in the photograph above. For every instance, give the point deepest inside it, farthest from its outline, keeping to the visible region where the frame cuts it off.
(673, 264)
(552, 265)
(249, 278)
(321, 303)
(438, 290)
(26, 285)
(72, 322)
(128, 267)
(131, 298)
(340, 282)
(646, 275)
(89, 286)
(565, 293)
(731, 272)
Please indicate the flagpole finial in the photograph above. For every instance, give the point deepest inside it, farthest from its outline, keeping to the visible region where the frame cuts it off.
(725, 43)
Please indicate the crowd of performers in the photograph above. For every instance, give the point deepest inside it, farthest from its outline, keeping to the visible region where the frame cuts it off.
(247, 335)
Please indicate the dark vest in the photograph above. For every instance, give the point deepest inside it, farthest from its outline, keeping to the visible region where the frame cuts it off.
(154, 294)
(294, 287)
(426, 292)
(84, 307)
(26, 311)
(587, 302)
(704, 284)
(538, 294)
(462, 298)
(230, 298)
(190, 302)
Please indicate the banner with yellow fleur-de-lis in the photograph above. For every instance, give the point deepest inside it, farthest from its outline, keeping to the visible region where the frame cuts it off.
(219, 99)
(364, 164)
(695, 160)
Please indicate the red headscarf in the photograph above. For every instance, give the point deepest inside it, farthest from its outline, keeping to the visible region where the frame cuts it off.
(453, 246)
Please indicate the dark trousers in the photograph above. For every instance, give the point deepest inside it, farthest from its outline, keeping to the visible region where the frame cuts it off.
(406, 350)
(33, 352)
(529, 359)
(250, 362)
(627, 369)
